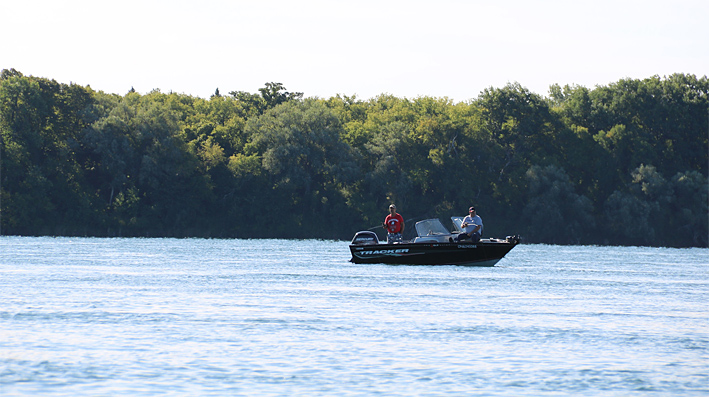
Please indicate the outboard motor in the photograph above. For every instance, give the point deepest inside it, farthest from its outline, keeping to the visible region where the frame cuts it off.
(365, 237)
(513, 239)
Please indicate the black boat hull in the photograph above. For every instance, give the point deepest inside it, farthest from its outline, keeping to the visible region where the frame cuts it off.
(483, 253)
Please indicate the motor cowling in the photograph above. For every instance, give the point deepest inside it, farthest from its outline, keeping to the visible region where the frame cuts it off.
(365, 237)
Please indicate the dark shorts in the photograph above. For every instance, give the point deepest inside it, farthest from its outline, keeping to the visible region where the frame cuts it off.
(393, 238)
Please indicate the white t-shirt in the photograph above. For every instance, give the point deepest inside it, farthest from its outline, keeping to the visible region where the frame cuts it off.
(472, 222)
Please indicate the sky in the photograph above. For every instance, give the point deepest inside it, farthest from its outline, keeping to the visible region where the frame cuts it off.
(442, 48)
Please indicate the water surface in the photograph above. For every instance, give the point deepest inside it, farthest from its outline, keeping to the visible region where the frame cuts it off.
(145, 317)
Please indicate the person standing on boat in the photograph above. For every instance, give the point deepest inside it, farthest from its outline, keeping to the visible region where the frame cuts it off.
(472, 227)
(394, 225)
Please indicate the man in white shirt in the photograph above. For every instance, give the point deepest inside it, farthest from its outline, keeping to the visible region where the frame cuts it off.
(472, 227)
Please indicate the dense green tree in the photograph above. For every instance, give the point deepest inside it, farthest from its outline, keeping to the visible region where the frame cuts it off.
(634, 214)
(40, 122)
(554, 211)
(515, 133)
(302, 153)
(653, 208)
(275, 94)
(688, 211)
(270, 96)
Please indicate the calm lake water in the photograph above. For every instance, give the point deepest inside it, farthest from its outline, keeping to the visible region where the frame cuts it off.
(150, 317)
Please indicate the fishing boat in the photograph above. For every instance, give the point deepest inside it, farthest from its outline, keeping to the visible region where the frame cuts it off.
(433, 245)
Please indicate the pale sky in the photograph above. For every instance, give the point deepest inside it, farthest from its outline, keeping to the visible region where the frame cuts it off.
(439, 48)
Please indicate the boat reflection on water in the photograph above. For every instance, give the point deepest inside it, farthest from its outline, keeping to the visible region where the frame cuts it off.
(433, 245)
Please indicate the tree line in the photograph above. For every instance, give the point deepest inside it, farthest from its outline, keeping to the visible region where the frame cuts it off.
(622, 164)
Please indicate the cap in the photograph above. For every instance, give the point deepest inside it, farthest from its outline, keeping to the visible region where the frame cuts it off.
(471, 209)
(392, 206)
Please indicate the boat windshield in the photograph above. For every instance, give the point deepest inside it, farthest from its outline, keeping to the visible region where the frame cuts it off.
(457, 223)
(431, 227)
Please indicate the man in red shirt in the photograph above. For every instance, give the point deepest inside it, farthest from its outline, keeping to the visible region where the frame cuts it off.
(394, 225)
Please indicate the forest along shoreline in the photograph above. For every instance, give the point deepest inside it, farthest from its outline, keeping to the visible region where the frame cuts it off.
(622, 164)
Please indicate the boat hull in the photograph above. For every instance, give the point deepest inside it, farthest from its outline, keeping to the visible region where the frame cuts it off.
(483, 253)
